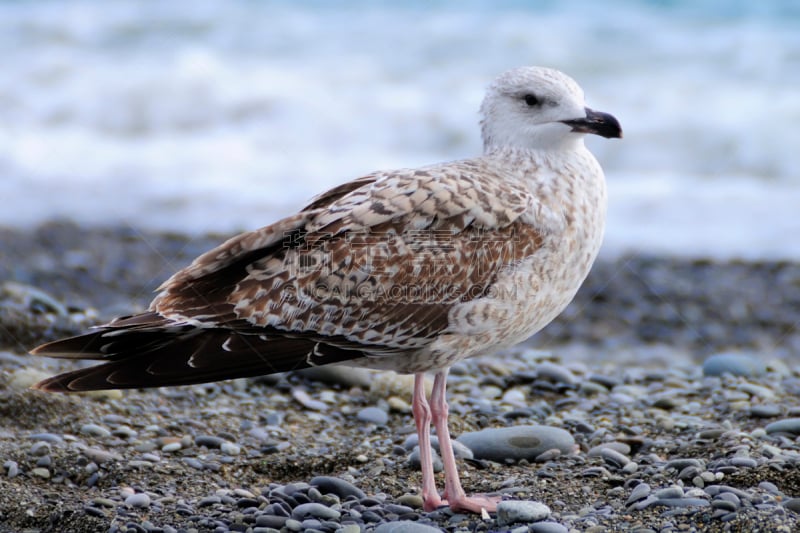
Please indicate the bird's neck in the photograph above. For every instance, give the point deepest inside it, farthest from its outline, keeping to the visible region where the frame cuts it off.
(540, 155)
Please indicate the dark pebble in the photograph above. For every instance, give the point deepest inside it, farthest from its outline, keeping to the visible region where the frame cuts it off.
(209, 441)
(94, 511)
(339, 487)
(273, 521)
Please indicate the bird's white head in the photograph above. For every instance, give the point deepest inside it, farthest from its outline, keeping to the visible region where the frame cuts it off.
(537, 108)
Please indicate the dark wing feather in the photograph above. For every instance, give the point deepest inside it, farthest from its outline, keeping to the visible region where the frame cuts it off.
(183, 356)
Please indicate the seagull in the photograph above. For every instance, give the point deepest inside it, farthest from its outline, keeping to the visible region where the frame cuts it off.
(409, 270)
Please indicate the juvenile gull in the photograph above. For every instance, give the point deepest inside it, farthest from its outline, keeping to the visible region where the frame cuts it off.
(408, 270)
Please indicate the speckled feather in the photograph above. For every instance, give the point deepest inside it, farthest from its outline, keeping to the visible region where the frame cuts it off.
(409, 270)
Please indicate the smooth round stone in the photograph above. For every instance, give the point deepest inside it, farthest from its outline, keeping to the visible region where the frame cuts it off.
(682, 502)
(757, 391)
(339, 487)
(613, 457)
(415, 461)
(94, 430)
(405, 526)
(40, 448)
(787, 425)
(209, 441)
(209, 500)
(669, 492)
(736, 364)
(101, 456)
(139, 499)
(273, 521)
(12, 468)
(317, 510)
(47, 437)
(744, 462)
(373, 415)
(597, 451)
(517, 442)
(547, 527)
(512, 512)
(792, 504)
(555, 373)
(41, 472)
(171, 447)
(459, 450)
(639, 492)
(229, 448)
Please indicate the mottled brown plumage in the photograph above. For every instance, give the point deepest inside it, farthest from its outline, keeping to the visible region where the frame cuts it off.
(407, 270)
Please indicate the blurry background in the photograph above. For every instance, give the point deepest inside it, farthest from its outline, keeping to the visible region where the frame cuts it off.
(195, 115)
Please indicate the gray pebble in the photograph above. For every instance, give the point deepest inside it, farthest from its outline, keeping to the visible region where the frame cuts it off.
(52, 438)
(621, 447)
(517, 442)
(729, 497)
(682, 502)
(792, 504)
(770, 487)
(736, 364)
(12, 468)
(639, 492)
(139, 499)
(405, 526)
(669, 492)
(339, 487)
(293, 525)
(171, 447)
(209, 441)
(414, 460)
(268, 520)
(513, 511)
(95, 430)
(229, 448)
(555, 373)
(614, 458)
(209, 500)
(101, 456)
(41, 472)
(459, 450)
(40, 448)
(317, 510)
(547, 527)
(744, 462)
(787, 425)
(373, 415)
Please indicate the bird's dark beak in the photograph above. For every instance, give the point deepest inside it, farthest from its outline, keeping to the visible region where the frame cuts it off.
(598, 123)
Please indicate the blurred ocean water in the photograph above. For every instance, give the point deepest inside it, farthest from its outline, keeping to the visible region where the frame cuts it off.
(224, 115)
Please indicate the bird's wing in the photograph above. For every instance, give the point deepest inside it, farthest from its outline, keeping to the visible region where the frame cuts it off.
(368, 269)
(378, 262)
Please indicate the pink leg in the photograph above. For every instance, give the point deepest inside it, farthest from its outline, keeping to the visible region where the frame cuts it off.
(453, 492)
(422, 419)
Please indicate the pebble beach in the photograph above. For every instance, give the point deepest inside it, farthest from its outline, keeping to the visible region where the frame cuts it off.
(663, 400)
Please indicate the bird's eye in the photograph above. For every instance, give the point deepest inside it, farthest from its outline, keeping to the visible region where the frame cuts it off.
(531, 100)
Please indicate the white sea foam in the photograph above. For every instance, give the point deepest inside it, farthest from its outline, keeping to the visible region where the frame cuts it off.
(193, 116)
